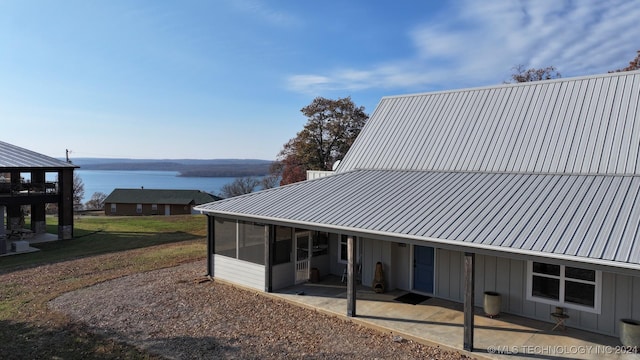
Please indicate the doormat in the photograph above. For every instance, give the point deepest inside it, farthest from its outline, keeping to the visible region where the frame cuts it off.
(412, 298)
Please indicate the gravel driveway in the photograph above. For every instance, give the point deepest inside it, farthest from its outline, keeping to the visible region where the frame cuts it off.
(169, 312)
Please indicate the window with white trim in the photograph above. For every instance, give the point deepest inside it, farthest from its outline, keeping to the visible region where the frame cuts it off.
(342, 249)
(565, 286)
(139, 208)
(113, 208)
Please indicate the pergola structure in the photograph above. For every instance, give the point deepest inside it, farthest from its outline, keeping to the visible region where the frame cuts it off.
(30, 178)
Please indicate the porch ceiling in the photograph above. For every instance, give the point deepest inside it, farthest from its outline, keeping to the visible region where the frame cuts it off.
(587, 218)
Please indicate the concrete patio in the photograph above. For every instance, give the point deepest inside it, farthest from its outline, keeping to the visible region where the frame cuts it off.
(440, 322)
(24, 245)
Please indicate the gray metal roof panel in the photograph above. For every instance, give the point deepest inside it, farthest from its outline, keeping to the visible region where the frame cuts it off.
(579, 217)
(586, 125)
(12, 156)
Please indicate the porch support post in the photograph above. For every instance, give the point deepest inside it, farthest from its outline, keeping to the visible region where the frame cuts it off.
(65, 204)
(211, 243)
(351, 276)
(269, 240)
(469, 281)
(3, 233)
(38, 214)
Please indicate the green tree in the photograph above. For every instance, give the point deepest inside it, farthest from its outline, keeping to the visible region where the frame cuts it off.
(332, 127)
(633, 65)
(521, 74)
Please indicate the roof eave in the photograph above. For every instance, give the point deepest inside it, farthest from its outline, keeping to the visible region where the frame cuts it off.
(455, 243)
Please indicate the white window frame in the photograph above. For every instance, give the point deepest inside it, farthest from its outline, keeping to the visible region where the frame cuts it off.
(154, 207)
(597, 301)
(113, 207)
(138, 208)
(344, 243)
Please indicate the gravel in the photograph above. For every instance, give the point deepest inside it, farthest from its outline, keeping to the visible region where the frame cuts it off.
(173, 313)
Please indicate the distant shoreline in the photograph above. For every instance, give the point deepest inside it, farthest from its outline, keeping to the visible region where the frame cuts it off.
(186, 168)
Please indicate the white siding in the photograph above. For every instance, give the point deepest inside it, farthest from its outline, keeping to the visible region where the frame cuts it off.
(400, 255)
(240, 272)
(374, 251)
(282, 275)
(509, 278)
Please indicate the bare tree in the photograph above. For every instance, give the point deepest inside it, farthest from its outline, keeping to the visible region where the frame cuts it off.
(521, 74)
(240, 186)
(96, 202)
(78, 191)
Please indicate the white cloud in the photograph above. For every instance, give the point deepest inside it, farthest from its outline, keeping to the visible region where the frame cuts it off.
(478, 43)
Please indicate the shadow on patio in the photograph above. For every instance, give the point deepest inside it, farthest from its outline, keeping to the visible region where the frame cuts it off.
(440, 322)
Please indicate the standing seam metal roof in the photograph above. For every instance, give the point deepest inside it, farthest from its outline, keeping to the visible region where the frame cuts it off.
(549, 168)
(12, 156)
(588, 125)
(583, 217)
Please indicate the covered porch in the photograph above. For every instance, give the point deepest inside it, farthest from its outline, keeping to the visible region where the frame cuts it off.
(440, 322)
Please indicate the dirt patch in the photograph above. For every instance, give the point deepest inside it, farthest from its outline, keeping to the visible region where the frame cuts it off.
(167, 313)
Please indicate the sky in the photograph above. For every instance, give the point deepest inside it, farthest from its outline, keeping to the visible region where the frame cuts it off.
(227, 78)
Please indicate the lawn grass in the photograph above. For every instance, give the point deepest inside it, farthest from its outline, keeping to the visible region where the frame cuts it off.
(95, 235)
(104, 248)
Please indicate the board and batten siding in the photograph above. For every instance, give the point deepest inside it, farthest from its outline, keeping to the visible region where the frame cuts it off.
(509, 278)
(374, 251)
(239, 271)
(283, 275)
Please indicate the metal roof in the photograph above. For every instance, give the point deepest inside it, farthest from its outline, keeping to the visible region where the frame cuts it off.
(586, 125)
(549, 168)
(586, 218)
(12, 156)
(159, 196)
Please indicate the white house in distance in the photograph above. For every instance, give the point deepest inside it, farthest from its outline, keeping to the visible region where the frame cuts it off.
(530, 190)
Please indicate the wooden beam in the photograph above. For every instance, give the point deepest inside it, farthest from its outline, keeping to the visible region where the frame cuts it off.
(469, 281)
(211, 243)
(65, 204)
(3, 239)
(269, 241)
(351, 276)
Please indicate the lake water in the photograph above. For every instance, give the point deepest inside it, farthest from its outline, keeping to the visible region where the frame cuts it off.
(106, 181)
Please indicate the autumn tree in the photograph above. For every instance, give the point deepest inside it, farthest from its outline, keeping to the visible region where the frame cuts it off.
(521, 74)
(633, 65)
(332, 127)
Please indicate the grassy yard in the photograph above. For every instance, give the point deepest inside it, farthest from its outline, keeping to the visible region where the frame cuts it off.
(104, 248)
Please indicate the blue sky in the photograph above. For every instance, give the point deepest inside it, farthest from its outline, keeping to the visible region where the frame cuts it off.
(227, 79)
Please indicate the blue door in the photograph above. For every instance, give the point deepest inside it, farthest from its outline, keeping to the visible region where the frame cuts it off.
(423, 269)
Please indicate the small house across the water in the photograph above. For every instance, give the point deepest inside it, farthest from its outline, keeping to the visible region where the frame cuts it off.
(154, 201)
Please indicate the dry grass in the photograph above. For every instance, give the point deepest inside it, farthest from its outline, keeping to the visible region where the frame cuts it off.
(28, 330)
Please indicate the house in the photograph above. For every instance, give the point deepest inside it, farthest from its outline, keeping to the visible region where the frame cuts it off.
(529, 190)
(31, 179)
(154, 201)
